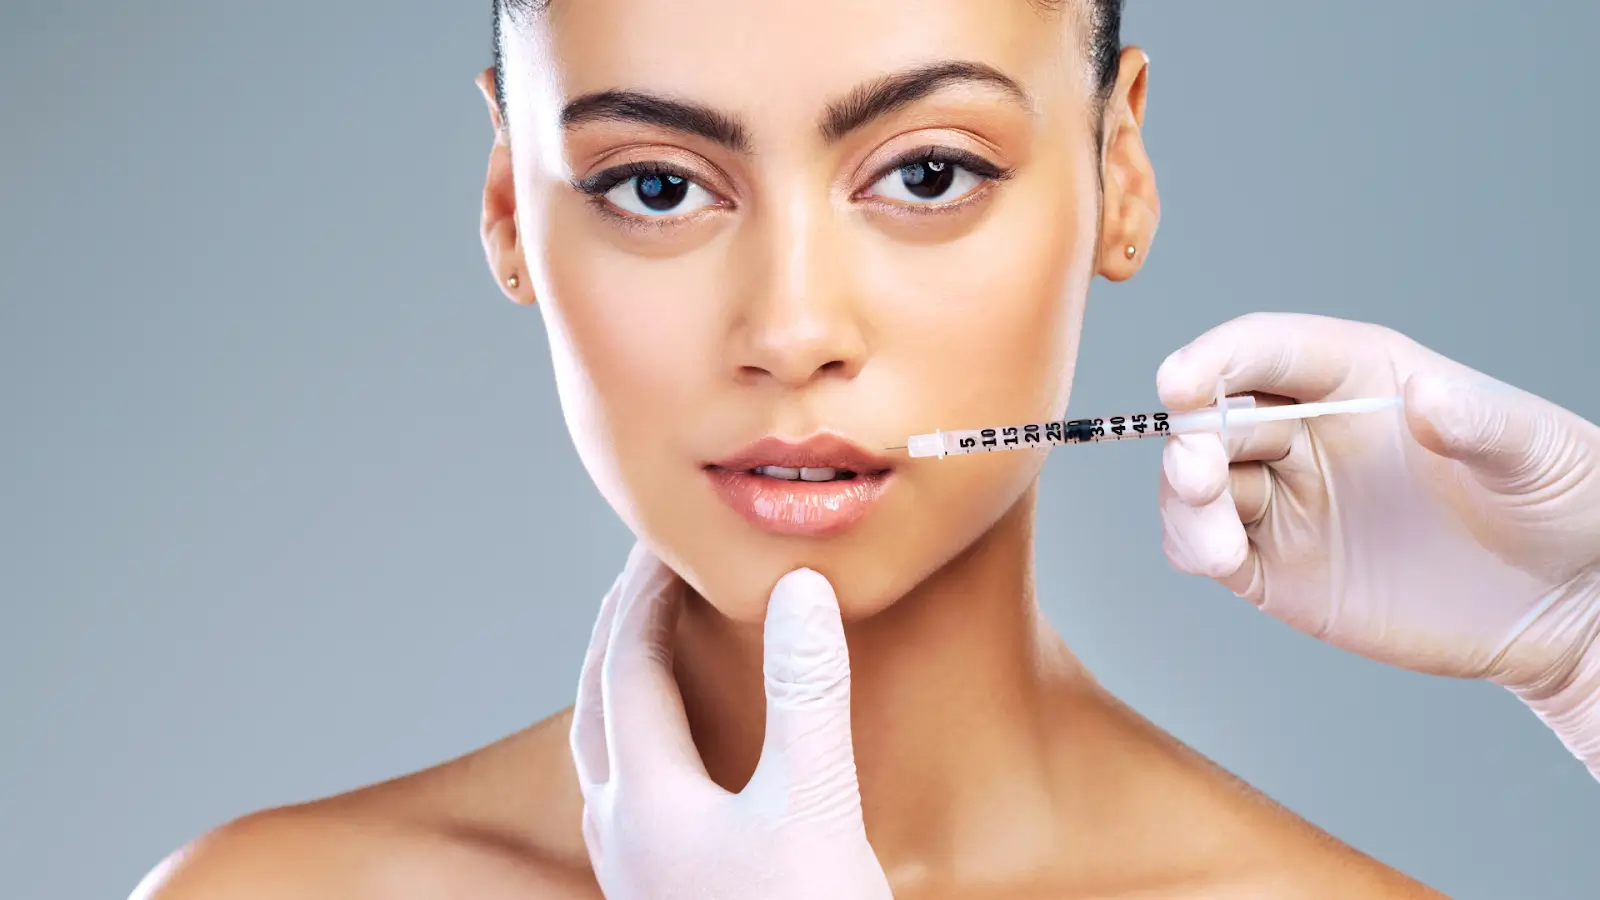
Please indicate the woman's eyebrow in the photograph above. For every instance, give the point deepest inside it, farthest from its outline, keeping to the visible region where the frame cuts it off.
(662, 112)
(884, 95)
(867, 102)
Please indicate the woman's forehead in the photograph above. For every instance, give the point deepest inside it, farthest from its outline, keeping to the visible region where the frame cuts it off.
(799, 55)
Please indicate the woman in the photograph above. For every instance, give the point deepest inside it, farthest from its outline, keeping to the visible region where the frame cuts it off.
(767, 241)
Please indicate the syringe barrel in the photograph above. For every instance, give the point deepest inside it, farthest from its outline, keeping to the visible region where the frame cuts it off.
(1038, 435)
(1044, 435)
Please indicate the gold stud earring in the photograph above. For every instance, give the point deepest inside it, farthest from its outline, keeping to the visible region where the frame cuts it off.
(512, 281)
(1131, 251)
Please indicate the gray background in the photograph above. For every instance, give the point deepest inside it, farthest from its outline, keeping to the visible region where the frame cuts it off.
(287, 505)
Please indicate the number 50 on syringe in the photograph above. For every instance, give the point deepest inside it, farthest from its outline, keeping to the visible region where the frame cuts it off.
(1229, 413)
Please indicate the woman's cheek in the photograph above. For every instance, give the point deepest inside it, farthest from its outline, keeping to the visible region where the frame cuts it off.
(989, 323)
(1007, 362)
(611, 357)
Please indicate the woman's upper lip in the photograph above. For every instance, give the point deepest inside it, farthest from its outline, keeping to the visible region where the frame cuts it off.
(823, 451)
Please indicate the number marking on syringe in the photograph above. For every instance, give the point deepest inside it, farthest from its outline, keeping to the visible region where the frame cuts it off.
(1071, 431)
(1044, 435)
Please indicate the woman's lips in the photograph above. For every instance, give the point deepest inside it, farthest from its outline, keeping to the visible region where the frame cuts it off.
(803, 508)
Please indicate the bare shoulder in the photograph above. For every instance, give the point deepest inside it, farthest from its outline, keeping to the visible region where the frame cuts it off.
(1270, 851)
(1288, 856)
(1332, 877)
(1224, 838)
(502, 821)
(314, 854)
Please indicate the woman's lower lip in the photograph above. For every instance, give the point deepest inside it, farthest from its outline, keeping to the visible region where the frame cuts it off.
(800, 508)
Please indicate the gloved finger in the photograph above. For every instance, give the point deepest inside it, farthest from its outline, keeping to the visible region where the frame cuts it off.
(1207, 540)
(1196, 466)
(807, 755)
(1264, 441)
(1303, 357)
(646, 730)
(588, 734)
(1212, 541)
(592, 838)
(1252, 485)
(1248, 581)
(1514, 442)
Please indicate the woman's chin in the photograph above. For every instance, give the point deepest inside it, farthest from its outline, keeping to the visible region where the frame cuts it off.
(740, 592)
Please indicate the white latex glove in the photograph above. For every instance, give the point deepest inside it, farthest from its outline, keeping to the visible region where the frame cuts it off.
(1460, 537)
(655, 824)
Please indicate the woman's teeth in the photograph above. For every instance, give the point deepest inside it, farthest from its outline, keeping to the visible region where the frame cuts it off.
(787, 474)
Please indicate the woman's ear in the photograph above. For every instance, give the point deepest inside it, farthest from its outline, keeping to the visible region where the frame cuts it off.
(1132, 208)
(501, 242)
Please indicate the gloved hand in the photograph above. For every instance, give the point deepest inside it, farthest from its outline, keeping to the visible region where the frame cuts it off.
(655, 824)
(1460, 537)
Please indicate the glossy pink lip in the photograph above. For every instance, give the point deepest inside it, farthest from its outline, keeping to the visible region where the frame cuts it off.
(801, 508)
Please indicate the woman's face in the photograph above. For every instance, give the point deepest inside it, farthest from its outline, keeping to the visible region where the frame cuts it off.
(771, 239)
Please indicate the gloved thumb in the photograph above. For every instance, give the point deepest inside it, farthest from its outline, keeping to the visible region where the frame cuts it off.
(1513, 441)
(807, 761)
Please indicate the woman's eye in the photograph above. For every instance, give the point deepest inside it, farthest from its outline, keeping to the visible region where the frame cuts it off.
(659, 194)
(927, 181)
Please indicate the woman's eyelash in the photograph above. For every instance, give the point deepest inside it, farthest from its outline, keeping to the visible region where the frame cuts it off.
(972, 162)
(601, 183)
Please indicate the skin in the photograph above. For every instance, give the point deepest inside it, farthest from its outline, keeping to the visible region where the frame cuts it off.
(800, 298)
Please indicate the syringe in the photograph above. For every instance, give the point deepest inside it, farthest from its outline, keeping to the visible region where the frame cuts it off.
(1231, 412)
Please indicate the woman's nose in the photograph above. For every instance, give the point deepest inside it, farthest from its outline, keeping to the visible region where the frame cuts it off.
(800, 319)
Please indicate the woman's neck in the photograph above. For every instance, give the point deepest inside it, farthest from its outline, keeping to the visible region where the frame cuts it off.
(955, 690)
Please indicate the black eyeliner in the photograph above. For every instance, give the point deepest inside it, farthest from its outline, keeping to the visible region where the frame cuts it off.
(972, 162)
(602, 182)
